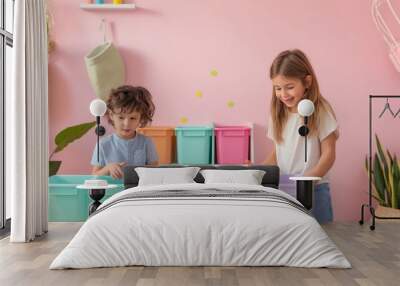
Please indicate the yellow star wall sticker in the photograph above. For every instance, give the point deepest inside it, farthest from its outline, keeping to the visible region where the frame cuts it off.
(214, 73)
(198, 94)
(230, 103)
(183, 120)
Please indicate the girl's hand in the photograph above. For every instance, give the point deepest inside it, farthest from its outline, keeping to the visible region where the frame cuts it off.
(115, 170)
(247, 163)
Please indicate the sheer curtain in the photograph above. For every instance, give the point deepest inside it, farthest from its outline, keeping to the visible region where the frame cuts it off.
(27, 124)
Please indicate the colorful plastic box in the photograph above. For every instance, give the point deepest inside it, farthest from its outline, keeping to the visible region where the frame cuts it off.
(232, 144)
(195, 144)
(165, 141)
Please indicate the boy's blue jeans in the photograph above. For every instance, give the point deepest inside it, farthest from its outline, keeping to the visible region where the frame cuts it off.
(322, 206)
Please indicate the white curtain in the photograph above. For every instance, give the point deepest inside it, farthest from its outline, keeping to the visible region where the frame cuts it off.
(27, 124)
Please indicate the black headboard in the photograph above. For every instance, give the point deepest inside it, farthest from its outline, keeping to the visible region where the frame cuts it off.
(270, 179)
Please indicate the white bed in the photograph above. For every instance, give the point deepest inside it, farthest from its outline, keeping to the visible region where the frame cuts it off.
(207, 230)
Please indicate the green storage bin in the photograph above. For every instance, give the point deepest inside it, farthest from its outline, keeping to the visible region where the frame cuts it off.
(67, 203)
(195, 144)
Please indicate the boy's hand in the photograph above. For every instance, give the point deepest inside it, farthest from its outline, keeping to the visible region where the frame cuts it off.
(115, 169)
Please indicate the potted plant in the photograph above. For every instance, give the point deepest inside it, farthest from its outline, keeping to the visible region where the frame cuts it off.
(63, 138)
(385, 172)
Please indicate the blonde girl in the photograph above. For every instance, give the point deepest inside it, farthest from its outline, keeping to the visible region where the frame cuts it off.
(293, 79)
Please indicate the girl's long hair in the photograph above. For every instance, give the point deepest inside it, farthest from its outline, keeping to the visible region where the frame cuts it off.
(294, 64)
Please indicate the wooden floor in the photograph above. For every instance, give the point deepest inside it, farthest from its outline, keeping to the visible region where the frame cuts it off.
(374, 255)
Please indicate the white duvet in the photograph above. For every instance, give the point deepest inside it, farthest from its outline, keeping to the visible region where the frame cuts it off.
(200, 231)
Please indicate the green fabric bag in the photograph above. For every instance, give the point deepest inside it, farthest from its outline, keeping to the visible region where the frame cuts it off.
(105, 68)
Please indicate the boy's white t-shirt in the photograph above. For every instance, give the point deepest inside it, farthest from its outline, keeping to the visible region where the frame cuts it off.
(290, 152)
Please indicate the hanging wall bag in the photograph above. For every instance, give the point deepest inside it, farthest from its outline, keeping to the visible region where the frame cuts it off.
(105, 68)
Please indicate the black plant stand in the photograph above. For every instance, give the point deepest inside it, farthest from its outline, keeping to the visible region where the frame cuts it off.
(96, 195)
(369, 205)
(305, 190)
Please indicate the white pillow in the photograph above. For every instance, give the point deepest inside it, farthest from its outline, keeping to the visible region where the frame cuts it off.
(248, 177)
(165, 176)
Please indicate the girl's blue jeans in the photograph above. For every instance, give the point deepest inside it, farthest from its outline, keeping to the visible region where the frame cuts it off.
(322, 206)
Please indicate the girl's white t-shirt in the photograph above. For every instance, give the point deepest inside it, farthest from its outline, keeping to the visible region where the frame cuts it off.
(290, 152)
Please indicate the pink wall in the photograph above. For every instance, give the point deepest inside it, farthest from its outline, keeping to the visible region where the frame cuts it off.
(171, 46)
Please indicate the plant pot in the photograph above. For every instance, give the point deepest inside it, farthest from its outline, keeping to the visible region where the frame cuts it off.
(387, 212)
(53, 167)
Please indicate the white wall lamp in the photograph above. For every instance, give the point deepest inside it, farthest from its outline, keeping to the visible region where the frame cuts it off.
(98, 108)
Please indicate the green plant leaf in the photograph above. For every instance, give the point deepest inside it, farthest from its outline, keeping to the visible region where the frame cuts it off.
(379, 180)
(373, 190)
(385, 170)
(382, 203)
(380, 150)
(391, 193)
(382, 156)
(390, 156)
(396, 183)
(54, 166)
(376, 197)
(70, 134)
(385, 173)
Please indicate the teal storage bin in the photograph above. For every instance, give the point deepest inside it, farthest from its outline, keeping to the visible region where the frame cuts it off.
(195, 144)
(67, 203)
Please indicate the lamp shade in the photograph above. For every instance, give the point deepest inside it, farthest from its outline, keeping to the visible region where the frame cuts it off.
(305, 107)
(98, 107)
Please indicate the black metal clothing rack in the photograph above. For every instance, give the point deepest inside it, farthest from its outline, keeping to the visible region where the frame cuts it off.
(369, 205)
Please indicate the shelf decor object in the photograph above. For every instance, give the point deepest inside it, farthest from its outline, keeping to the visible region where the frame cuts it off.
(94, 6)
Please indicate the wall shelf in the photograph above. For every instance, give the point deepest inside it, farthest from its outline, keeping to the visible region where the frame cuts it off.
(107, 6)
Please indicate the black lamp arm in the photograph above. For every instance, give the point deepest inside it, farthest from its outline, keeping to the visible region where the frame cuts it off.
(100, 131)
(303, 131)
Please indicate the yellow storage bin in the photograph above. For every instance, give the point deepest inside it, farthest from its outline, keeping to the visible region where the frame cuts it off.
(164, 140)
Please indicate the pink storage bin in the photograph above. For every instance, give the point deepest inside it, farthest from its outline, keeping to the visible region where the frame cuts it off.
(232, 144)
